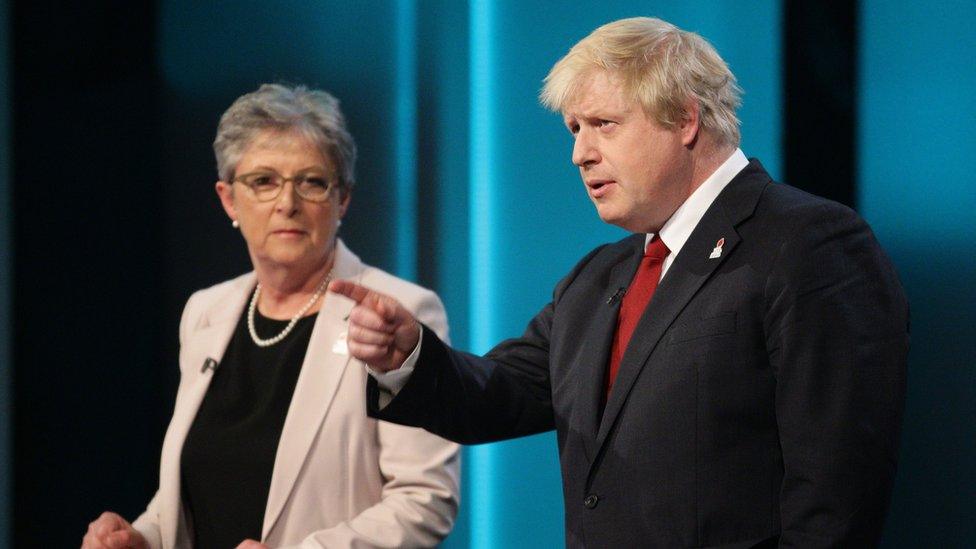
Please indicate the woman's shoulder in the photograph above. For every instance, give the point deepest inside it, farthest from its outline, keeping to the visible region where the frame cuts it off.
(403, 290)
(221, 289)
(206, 298)
(411, 295)
(424, 304)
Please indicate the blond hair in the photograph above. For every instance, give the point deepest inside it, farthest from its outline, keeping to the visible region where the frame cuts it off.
(660, 66)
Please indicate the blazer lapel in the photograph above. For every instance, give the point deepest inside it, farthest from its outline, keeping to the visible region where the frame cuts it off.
(317, 385)
(594, 356)
(209, 341)
(691, 269)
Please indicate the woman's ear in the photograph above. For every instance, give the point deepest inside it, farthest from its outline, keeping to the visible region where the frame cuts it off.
(346, 197)
(225, 191)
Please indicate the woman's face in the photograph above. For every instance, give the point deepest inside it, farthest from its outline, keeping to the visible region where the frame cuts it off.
(288, 231)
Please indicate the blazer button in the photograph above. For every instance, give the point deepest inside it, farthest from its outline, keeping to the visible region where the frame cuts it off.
(591, 501)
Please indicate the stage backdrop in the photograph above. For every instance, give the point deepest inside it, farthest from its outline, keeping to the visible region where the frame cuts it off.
(464, 184)
(917, 150)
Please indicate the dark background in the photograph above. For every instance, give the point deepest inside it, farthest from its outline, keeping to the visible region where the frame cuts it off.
(114, 224)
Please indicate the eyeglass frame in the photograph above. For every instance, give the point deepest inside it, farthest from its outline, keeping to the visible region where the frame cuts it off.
(331, 181)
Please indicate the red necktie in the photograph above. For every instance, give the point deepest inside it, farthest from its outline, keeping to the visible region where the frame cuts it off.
(635, 301)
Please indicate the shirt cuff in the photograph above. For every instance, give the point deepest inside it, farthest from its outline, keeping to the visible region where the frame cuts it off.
(390, 383)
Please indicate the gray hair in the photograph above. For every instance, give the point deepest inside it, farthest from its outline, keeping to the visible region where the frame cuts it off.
(660, 66)
(277, 107)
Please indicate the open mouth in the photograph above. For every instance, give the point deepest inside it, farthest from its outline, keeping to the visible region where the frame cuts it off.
(599, 187)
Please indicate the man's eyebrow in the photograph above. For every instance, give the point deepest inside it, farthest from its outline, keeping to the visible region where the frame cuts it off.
(595, 116)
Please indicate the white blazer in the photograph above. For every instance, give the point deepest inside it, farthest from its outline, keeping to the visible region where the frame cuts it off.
(340, 479)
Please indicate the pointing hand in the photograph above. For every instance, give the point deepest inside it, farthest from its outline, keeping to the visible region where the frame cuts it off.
(382, 333)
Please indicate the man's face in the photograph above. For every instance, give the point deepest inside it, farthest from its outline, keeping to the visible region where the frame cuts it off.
(636, 172)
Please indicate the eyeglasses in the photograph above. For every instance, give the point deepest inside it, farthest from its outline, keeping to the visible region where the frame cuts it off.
(266, 186)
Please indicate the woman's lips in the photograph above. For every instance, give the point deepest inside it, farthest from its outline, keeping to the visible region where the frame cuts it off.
(288, 233)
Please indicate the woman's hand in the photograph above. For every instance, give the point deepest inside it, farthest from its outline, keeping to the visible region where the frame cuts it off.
(110, 531)
(251, 544)
(382, 333)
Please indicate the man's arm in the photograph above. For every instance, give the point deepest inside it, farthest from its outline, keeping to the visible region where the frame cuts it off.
(459, 396)
(837, 335)
(470, 399)
(456, 395)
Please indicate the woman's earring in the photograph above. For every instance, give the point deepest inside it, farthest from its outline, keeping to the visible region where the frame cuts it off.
(235, 224)
(338, 223)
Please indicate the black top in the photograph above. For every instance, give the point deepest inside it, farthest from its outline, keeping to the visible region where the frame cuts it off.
(230, 449)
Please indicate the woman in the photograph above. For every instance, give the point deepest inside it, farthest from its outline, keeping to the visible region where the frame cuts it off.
(269, 438)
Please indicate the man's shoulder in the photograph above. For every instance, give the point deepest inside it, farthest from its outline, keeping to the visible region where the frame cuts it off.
(754, 194)
(785, 205)
(800, 230)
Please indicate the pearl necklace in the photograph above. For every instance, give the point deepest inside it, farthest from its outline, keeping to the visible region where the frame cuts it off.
(294, 320)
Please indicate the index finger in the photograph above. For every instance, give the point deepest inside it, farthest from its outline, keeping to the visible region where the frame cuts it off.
(349, 289)
(382, 304)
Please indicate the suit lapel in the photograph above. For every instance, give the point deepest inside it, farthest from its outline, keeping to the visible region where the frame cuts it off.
(594, 356)
(690, 270)
(208, 341)
(317, 385)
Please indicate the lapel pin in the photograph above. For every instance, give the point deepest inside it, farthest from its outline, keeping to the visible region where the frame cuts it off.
(340, 347)
(717, 251)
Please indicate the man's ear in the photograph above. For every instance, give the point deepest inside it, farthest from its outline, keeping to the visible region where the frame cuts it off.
(690, 122)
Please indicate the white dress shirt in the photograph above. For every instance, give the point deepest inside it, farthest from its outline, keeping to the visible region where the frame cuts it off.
(683, 221)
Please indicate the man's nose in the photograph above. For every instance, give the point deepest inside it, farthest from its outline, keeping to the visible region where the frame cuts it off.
(585, 151)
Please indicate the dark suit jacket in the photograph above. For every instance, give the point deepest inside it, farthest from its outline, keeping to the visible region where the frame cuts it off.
(759, 401)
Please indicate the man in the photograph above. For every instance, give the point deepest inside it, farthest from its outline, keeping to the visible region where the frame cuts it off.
(732, 375)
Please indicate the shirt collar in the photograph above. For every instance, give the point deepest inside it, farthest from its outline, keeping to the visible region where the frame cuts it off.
(678, 228)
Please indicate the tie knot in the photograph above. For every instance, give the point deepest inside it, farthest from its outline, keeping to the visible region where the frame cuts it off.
(656, 249)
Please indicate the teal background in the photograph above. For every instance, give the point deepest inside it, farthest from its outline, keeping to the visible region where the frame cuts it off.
(465, 185)
(917, 155)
